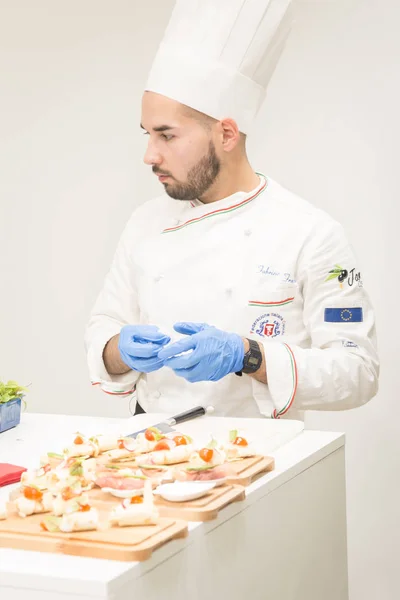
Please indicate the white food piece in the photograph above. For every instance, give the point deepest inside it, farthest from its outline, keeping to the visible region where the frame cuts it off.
(233, 451)
(62, 507)
(26, 507)
(86, 449)
(89, 466)
(218, 458)
(145, 513)
(35, 477)
(89, 470)
(28, 475)
(106, 442)
(120, 454)
(123, 493)
(59, 478)
(176, 455)
(144, 445)
(80, 521)
(236, 451)
(45, 459)
(135, 514)
(3, 511)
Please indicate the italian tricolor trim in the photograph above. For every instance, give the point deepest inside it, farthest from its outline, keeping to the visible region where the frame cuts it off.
(276, 414)
(272, 304)
(221, 211)
(117, 393)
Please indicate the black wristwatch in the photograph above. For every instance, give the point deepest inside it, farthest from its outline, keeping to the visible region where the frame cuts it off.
(252, 359)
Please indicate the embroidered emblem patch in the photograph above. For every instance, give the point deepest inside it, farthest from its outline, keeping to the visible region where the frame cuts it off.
(349, 344)
(342, 275)
(269, 325)
(343, 315)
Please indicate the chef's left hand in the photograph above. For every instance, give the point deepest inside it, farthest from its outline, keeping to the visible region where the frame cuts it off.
(215, 353)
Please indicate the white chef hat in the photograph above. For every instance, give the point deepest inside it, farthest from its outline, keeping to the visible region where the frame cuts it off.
(218, 56)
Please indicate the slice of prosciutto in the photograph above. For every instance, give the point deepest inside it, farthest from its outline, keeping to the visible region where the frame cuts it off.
(219, 472)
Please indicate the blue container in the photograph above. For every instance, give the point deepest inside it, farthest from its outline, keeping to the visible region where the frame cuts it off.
(10, 414)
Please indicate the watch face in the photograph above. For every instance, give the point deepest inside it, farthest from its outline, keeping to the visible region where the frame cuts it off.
(253, 358)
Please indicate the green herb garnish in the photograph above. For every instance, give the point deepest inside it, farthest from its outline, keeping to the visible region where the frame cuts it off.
(233, 435)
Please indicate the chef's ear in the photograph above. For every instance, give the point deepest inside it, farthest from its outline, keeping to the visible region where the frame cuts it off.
(231, 136)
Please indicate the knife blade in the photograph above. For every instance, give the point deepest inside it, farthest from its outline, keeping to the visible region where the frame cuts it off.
(167, 425)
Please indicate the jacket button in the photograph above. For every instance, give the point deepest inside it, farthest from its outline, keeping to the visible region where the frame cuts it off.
(158, 278)
(247, 232)
(156, 394)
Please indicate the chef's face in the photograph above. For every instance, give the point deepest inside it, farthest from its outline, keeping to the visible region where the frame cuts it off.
(180, 149)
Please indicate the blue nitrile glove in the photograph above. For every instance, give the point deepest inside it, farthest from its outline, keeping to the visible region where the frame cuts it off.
(215, 353)
(139, 346)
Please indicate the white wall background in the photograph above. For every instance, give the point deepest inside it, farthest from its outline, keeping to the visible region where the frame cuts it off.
(71, 78)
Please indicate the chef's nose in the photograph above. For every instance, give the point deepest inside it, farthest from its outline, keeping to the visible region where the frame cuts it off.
(151, 156)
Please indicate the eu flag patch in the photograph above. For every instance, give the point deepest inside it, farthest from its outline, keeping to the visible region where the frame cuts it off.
(343, 315)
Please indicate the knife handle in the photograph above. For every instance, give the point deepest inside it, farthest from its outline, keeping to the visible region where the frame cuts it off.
(192, 413)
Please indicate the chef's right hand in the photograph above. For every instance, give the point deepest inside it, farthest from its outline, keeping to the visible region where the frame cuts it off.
(139, 345)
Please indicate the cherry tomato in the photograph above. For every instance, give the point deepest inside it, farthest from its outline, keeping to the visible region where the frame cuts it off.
(84, 508)
(47, 468)
(206, 454)
(162, 445)
(239, 441)
(32, 493)
(180, 440)
(78, 440)
(137, 500)
(150, 435)
(121, 445)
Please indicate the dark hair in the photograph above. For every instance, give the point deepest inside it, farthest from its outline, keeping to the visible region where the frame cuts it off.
(206, 121)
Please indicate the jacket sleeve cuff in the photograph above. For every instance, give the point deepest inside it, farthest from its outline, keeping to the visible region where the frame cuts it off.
(282, 378)
(110, 384)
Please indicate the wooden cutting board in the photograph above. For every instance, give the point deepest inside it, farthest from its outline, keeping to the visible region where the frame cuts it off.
(114, 543)
(134, 543)
(247, 470)
(205, 508)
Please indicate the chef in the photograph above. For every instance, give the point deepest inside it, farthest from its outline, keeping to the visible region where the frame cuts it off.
(227, 289)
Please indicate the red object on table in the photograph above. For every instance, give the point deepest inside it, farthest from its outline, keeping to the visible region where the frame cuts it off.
(10, 473)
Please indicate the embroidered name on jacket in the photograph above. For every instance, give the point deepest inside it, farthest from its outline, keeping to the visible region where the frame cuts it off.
(343, 315)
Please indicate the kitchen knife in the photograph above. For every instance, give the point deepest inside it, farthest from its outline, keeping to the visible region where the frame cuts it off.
(166, 426)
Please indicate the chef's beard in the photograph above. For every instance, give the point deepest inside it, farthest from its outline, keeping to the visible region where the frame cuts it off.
(199, 178)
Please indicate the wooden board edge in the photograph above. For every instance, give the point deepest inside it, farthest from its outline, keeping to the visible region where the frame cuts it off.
(94, 549)
(253, 472)
(237, 494)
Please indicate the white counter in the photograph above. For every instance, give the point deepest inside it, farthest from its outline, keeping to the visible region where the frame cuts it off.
(286, 541)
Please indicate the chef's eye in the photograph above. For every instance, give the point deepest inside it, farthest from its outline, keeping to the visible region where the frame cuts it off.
(166, 137)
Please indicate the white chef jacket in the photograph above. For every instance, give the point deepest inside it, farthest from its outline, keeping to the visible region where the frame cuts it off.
(267, 265)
